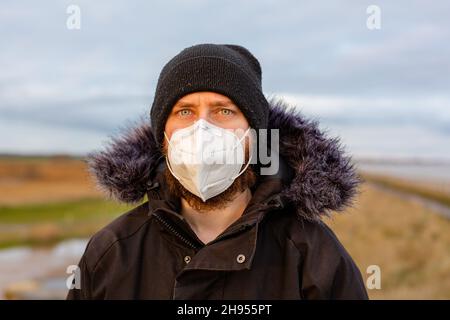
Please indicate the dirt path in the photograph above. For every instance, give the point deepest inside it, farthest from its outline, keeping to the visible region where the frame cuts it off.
(428, 203)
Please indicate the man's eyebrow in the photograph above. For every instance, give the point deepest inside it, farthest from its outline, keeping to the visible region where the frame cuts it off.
(221, 103)
(183, 104)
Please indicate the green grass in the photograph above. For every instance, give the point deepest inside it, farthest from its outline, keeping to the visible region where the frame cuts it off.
(61, 211)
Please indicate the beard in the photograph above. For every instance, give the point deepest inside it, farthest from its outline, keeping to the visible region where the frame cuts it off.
(246, 180)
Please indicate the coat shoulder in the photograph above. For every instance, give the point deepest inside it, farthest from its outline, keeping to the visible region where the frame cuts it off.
(327, 269)
(309, 235)
(121, 228)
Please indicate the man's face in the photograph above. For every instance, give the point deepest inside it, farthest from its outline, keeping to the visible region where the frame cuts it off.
(222, 112)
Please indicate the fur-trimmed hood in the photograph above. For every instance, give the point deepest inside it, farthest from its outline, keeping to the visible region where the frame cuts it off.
(323, 180)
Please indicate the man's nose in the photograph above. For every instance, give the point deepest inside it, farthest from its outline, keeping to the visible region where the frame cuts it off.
(203, 112)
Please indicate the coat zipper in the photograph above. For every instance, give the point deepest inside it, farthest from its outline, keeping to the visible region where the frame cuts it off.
(176, 233)
(268, 207)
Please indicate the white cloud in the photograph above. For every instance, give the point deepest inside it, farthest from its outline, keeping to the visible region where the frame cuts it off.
(396, 108)
(79, 85)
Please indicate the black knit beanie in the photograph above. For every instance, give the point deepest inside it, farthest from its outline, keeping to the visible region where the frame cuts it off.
(230, 70)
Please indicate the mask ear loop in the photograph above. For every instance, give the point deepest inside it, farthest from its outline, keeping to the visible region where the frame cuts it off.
(167, 159)
(249, 159)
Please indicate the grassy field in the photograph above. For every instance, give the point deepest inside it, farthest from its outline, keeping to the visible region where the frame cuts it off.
(45, 200)
(410, 244)
(43, 224)
(36, 180)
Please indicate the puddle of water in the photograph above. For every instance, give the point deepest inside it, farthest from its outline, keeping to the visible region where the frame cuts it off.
(23, 268)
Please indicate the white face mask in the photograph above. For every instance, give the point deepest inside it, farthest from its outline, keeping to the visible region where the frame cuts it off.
(205, 158)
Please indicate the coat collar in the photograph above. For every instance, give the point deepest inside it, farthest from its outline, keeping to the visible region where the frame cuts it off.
(321, 177)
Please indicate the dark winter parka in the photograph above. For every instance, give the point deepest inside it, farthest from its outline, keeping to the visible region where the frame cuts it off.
(278, 249)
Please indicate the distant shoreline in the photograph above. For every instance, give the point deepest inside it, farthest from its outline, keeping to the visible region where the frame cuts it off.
(12, 156)
(403, 161)
(357, 160)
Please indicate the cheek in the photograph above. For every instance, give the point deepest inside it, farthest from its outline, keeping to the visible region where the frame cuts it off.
(237, 126)
(174, 124)
(168, 129)
(242, 122)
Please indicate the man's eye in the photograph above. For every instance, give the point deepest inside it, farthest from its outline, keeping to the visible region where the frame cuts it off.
(184, 112)
(226, 112)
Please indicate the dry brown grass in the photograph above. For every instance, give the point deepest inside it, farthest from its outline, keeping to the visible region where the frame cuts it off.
(25, 181)
(410, 243)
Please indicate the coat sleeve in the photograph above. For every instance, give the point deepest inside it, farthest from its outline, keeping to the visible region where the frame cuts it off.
(84, 291)
(327, 270)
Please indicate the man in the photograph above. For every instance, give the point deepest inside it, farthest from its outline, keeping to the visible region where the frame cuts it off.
(220, 230)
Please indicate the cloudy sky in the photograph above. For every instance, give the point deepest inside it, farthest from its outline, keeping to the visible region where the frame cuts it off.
(384, 91)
